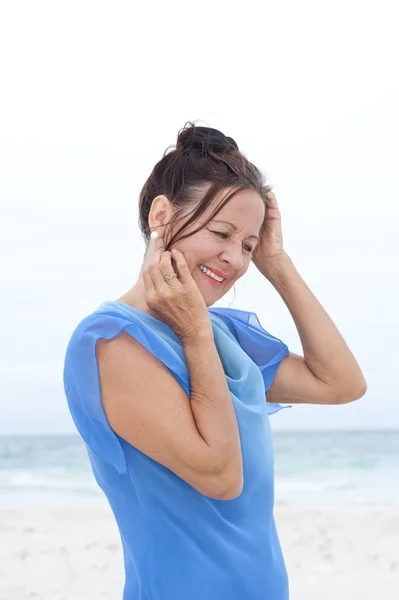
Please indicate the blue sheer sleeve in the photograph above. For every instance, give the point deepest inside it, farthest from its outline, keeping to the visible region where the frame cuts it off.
(82, 379)
(263, 348)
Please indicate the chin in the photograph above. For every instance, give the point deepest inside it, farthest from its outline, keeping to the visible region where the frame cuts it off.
(210, 302)
(211, 292)
(210, 299)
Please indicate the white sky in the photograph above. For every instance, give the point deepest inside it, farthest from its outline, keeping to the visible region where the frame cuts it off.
(91, 95)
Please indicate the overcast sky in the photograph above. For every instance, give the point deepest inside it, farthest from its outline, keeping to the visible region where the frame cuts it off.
(92, 93)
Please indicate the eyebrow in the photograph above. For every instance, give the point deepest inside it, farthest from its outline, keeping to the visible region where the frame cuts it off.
(233, 227)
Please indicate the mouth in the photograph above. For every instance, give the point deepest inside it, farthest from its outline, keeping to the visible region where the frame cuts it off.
(211, 276)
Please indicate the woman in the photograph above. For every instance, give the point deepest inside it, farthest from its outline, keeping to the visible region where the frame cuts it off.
(173, 399)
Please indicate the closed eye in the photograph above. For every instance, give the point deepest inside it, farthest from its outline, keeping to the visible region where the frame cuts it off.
(226, 235)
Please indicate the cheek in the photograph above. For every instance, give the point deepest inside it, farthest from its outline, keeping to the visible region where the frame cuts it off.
(240, 275)
(247, 261)
(237, 277)
(201, 251)
(189, 251)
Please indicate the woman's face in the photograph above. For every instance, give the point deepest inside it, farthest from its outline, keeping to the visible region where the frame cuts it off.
(225, 244)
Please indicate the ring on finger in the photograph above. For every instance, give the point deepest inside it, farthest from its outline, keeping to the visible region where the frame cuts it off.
(167, 277)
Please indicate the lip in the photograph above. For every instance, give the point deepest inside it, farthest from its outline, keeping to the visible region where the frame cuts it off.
(210, 280)
(218, 273)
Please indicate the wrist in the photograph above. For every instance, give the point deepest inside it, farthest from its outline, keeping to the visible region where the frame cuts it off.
(275, 267)
(197, 338)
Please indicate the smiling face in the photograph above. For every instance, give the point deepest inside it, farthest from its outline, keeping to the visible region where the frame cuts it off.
(225, 244)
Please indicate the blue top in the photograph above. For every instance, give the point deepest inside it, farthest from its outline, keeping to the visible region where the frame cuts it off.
(179, 544)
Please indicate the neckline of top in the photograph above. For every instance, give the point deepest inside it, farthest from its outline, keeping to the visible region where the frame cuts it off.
(131, 308)
(137, 310)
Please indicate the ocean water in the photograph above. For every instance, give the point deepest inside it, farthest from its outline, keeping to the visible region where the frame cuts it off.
(311, 469)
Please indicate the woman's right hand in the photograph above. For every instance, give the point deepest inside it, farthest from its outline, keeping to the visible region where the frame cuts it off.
(178, 301)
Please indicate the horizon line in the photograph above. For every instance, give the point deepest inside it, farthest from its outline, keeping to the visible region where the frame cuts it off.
(278, 430)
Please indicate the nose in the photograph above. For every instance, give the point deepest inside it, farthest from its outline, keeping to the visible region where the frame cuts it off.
(233, 255)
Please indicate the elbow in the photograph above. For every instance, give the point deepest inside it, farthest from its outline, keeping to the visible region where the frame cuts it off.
(228, 484)
(354, 394)
(230, 493)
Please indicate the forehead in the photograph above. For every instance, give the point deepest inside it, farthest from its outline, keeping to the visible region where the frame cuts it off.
(245, 210)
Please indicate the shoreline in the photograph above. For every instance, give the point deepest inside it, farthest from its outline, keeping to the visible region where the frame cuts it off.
(62, 553)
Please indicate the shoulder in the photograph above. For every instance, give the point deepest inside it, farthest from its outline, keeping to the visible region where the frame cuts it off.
(248, 331)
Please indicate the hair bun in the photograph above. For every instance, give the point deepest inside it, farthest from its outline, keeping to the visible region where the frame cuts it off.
(203, 139)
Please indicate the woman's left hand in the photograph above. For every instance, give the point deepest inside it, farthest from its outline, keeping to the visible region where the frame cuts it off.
(270, 244)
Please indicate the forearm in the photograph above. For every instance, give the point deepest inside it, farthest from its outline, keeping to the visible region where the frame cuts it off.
(212, 406)
(325, 351)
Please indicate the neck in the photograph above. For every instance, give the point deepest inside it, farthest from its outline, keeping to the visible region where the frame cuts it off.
(136, 297)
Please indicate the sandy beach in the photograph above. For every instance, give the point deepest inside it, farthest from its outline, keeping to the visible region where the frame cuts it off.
(75, 553)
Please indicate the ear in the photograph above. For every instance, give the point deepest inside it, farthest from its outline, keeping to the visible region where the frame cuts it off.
(161, 212)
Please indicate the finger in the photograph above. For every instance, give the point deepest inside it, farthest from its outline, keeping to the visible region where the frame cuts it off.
(182, 269)
(154, 269)
(154, 249)
(148, 283)
(151, 264)
(166, 267)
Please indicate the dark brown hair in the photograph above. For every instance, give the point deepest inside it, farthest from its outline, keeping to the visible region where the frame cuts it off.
(203, 162)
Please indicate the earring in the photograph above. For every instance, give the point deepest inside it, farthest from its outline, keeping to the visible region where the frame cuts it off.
(154, 235)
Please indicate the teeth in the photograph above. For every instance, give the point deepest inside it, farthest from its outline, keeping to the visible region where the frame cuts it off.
(211, 274)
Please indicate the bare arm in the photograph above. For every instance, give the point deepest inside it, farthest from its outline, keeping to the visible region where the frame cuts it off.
(196, 438)
(328, 366)
(213, 409)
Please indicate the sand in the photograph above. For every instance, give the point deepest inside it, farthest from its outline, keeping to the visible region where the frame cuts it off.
(75, 553)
